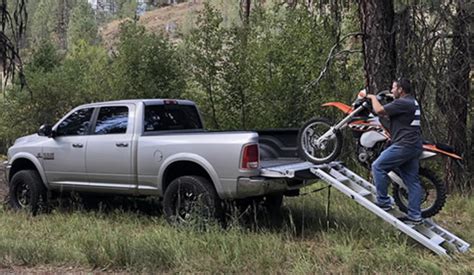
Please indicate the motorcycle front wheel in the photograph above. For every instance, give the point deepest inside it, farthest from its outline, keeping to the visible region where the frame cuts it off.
(434, 196)
(322, 152)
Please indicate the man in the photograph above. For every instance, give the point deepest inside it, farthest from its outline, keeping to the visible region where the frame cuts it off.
(404, 152)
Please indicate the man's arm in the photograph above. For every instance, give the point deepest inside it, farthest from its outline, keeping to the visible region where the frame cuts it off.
(378, 108)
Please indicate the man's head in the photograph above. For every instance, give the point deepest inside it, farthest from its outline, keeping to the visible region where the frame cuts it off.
(401, 87)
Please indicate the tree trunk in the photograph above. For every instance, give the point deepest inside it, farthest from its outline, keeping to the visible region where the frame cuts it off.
(471, 146)
(457, 96)
(245, 8)
(377, 19)
(62, 24)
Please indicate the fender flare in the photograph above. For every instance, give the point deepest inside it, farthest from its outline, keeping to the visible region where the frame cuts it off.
(197, 159)
(36, 163)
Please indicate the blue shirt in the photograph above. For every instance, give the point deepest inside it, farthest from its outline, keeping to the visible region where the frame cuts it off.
(405, 127)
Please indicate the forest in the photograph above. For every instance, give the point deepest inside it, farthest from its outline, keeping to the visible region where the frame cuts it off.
(248, 64)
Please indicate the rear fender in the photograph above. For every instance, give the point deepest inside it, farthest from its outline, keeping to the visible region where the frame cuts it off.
(346, 109)
(433, 149)
(197, 160)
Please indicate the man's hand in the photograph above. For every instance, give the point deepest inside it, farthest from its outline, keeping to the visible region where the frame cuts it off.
(378, 108)
(371, 97)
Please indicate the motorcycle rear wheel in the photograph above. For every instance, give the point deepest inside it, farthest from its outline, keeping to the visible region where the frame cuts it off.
(434, 196)
(325, 152)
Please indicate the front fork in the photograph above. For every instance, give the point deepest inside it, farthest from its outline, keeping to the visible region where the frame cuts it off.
(329, 134)
(397, 179)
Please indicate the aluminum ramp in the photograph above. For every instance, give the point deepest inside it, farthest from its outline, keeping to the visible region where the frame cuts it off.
(429, 234)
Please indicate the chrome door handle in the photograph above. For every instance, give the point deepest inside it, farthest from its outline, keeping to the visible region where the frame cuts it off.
(77, 145)
(121, 144)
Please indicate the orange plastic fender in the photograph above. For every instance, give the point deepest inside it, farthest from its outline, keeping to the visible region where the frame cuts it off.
(433, 148)
(341, 106)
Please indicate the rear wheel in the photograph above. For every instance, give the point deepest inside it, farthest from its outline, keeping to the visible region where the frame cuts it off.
(318, 152)
(191, 200)
(434, 196)
(27, 192)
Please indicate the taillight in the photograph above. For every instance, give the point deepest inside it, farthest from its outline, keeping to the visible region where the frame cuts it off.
(170, 102)
(250, 157)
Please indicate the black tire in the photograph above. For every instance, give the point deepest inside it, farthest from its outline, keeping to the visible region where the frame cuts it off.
(434, 198)
(27, 192)
(272, 204)
(262, 210)
(317, 155)
(191, 200)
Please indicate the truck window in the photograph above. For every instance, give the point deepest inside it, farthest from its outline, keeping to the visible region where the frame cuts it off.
(76, 124)
(112, 120)
(171, 117)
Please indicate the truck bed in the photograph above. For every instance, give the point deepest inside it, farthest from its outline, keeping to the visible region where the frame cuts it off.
(279, 155)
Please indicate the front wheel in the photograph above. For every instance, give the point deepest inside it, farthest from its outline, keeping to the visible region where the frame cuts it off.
(434, 196)
(27, 192)
(318, 151)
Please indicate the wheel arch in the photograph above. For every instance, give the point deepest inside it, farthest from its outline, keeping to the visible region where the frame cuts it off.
(26, 162)
(188, 165)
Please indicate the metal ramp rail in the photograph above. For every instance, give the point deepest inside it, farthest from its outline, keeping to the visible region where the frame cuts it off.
(429, 234)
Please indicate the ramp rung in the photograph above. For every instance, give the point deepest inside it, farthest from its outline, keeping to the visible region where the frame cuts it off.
(364, 193)
(436, 239)
(463, 248)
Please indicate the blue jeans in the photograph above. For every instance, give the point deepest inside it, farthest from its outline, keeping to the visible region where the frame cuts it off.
(405, 160)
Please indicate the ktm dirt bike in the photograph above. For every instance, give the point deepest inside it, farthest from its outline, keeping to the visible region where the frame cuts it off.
(320, 141)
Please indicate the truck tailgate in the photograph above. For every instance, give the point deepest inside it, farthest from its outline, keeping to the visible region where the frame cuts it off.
(291, 168)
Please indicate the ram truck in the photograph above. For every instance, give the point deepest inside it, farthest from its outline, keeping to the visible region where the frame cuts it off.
(152, 147)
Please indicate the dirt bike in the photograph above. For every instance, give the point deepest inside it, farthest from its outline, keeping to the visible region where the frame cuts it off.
(320, 141)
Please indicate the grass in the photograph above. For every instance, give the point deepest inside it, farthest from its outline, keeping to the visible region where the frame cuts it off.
(136, 242)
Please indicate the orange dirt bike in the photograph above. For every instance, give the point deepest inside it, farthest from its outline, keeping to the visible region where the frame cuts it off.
(320, 141)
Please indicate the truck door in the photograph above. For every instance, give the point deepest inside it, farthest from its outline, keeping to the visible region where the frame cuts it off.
(63, 156)
(109, 149)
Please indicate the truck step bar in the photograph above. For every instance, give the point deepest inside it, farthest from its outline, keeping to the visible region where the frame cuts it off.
(429, 234)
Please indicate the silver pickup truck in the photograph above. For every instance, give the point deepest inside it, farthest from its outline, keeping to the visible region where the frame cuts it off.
(149, 148)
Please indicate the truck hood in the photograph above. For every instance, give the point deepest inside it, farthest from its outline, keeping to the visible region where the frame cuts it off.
(29, 139)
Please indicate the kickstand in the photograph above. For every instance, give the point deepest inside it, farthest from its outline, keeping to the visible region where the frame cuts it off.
(327, 207)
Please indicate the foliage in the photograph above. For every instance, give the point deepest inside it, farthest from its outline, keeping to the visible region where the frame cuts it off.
(205, 56)
(244, 74)
(55, 85)
(259, 69)
(82, 24)
(43, 21)
(146, 66)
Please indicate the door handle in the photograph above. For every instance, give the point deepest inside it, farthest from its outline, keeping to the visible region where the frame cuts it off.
(121, 144)
(77, 145)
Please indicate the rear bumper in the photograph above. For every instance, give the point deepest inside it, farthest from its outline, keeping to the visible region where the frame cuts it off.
(257, 186)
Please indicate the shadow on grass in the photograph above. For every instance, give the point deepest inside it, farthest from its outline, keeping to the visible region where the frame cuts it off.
(70, 202)
(300, 217)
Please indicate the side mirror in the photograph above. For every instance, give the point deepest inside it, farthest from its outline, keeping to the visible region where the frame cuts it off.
(45, 130)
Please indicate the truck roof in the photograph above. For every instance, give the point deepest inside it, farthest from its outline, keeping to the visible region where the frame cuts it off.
(154, 101)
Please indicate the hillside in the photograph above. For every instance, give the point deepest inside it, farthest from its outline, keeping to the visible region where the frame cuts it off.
(167, 20)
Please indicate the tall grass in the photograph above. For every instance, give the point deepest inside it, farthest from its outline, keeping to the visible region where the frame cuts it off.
(355, 241)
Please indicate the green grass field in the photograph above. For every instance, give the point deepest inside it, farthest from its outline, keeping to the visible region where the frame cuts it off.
(355, 241)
